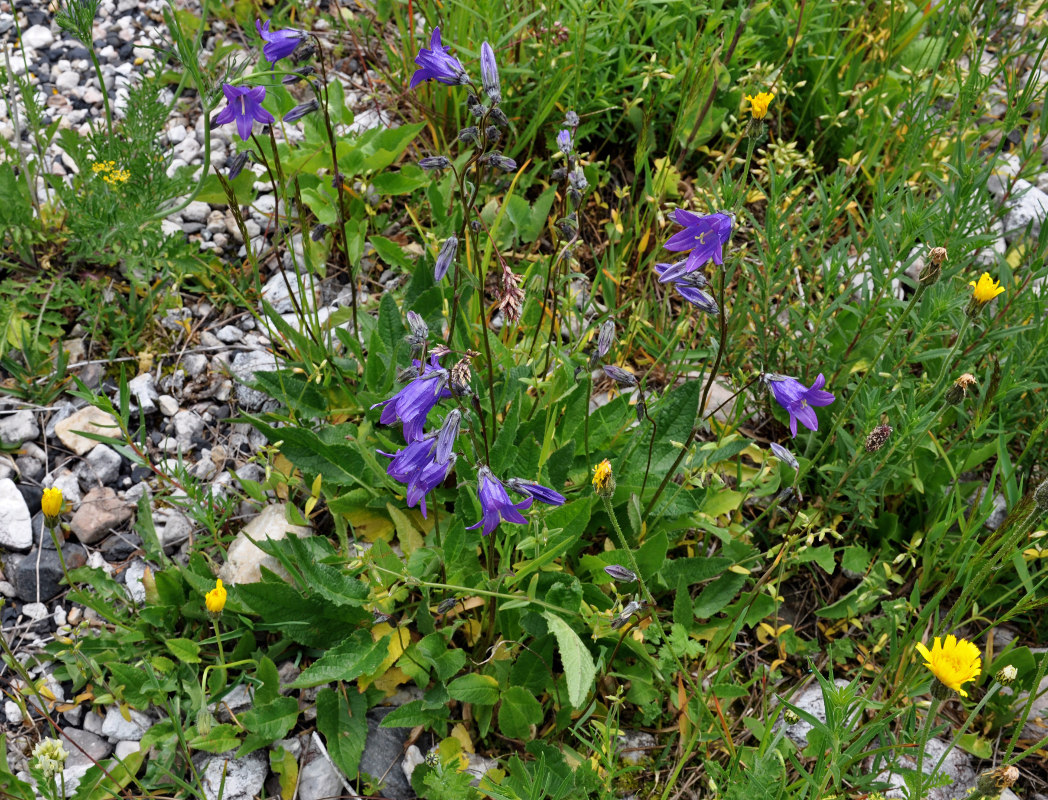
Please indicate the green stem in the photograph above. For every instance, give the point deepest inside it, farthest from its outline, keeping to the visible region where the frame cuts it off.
(926, 730)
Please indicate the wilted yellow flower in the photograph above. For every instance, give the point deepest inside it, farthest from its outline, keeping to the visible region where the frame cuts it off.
(215, 600)
(51, 503)
(759, 104)
(986, 289)
(954, 662)
(603, 480)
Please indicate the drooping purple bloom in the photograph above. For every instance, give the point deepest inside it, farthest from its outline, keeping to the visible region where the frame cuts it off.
(448, 434)
(279, 44)
(799, 400)
(495, 504)
(704, 236)
(436, 64)
(536, 491)
(697, 297)
(620, 573)
(620, 376)
(244, 106)
(445, 258)
(301, 110)
(417, 466)
(412, 404)
(784, 455)
(489, 74)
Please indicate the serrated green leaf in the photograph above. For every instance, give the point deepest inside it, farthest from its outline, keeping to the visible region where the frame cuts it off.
(518, 712)
(475, 688)
(185, 650)
(341, 718)
(358, 655)
(579, 669)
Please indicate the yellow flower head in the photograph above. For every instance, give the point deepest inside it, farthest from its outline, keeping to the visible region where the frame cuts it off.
(954, 662)
(986, 289)
(51, 503)
(603, 480)
(215, 600)
(759, 104)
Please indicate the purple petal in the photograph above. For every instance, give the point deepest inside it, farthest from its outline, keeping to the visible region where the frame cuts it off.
(806, 414)
(681, 240)
(223, 117)
(244, 126)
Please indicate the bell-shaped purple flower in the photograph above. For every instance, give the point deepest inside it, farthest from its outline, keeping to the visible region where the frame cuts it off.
(536, 491)
(418, 466)
(703, 236)
(799, 400)
(436, 64)
(245, 107)
(489, 74)
(412, 404)
(784, 455)
(564, 142)
(697, 297)
(279, 44)
(445, 258)
(495, 504)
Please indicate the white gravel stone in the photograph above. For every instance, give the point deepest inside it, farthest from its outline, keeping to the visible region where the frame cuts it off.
(100, 466)
(168, 405)
(16, 529)
(38, 37)
(176, 134)
(18, 427)
(143, 389)
(13, 713)
(196, 212)
(67, 81)
(238, 778)
(230, 334)
(124, 749)
(89, 420)
(244, 367)
(119, 729)
(35, 611)
(133, 575)
(69, 485)
(244, 559)
(194, 364)
(188, 425)
(1027, 206)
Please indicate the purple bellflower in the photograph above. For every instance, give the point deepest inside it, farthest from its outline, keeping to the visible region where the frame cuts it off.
(418, 466)
(436, 64)
(799, 400)
(279, 44)
(536, 491)
(703, 236)
(784, 455)
(495, 504)
(245, 107)
(489, 74)
(412, 404)
(564, 142)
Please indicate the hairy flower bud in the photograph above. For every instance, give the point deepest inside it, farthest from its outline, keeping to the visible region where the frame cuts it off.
(559, 174)
(790, 717)
(605, 337)
(446, 605)
(318, 232)
(299, 74)
(959, 389)
(498, 117)
(445, 258)
(496, 159)
(878, 438)
(448, 434)
(434, 162)
(492, 134)
(470, 134)
(1006, 675)
(489, 74)
(620, 376)
(419, 332)
(571, 119)
(237, 164)
(620, 573)
(784, 455)
(933, 269)
(577, 179)
(476, 108)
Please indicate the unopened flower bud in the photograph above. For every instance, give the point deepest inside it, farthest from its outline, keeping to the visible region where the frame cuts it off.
(470, 134)
(620, 376)
(496, 159)
(577, 179)
(492, 134)
(318, 232)
(959, 389)
(784, 455)
(237, 164)
(476, 108)
(1006, 675)
(642, 408)
(571, 119)
(419, 332)
(299, 74)
(878, 438)
(446, 438)
(559, 174)
(575, 196)
(446, 605)
(434, 162)
(445, 258)
(301, 110)
(789, 716)
(498, 117)
(605, 338)
(620, 573)
(489, 74)
(933, 269)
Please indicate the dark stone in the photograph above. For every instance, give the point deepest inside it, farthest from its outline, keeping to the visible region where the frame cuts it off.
(78, 52)
(139, 474)
(221, 412)
(384, 749)
(29, 468)
(120, 546)
(36, 17)
(125, 51)
(25, 574)
(41, 535)
(113, 38)
(32, 496)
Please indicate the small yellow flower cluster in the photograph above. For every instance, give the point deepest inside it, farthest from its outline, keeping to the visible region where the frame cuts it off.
(110, 174)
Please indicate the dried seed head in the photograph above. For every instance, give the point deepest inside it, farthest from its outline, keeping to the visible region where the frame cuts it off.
(510, 295)
(933, 269)
(460, 377)
(419, 332)
(937, 255)
(959, 390)
(878, 438)
(994, 781)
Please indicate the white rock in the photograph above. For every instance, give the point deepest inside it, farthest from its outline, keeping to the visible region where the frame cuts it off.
(38, 37)
(238, 778)
(317, 779)
(176, 134)
(88, 420)
(244, 559)
(69, 485)
(16, 529)
(188, 425)
(168, 405)
(276, 293)
(957, 765)
(1026, 205)
(244, 367)
(18, 427)
(230, 334)
(143, 389)
(133, 581)
(119, 729)
(196, 212)
(811, 701)
(67, 81)
(124, 749)
(35, 611)
(13, 713)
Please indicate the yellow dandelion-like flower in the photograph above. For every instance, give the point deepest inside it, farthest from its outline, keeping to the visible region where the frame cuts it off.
(215, 600)
(953, 662)
(759, 104)
(603, 480)
(51, 503)
(986, 289)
